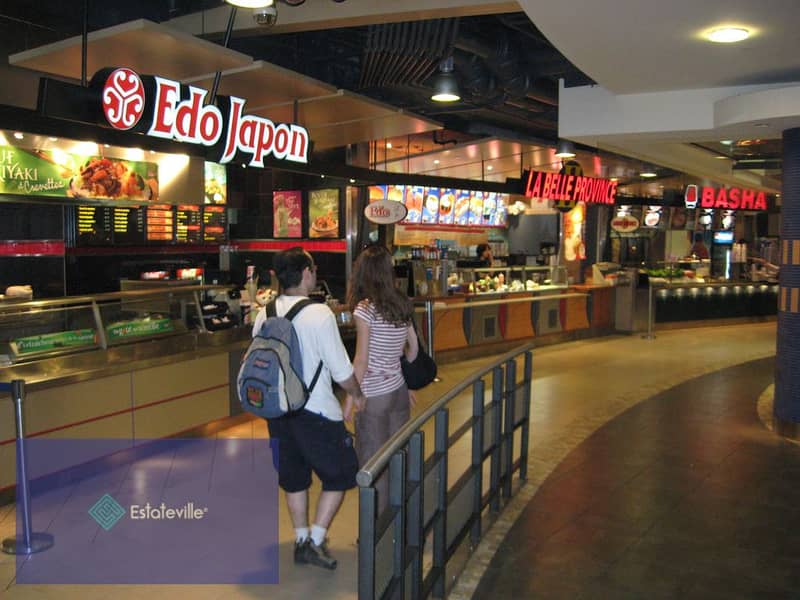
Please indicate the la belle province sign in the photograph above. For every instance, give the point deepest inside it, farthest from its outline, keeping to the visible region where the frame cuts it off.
(167, 109)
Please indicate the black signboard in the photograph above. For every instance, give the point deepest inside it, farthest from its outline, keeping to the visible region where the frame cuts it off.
(214, 224)
(94, 225)
(187, 224)
(128, 225)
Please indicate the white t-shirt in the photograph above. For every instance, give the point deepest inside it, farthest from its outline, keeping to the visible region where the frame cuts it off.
(319, 339)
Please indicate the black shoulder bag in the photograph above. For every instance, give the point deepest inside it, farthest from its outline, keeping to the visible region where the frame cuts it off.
(422, 370)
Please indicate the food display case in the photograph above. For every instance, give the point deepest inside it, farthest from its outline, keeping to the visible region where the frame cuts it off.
(509, 279)
(42, 329)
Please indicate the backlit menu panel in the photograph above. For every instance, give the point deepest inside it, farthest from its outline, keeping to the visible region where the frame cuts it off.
(214, 224)
(160, 223)
(128, 225)
(94, 225)
(187, 224)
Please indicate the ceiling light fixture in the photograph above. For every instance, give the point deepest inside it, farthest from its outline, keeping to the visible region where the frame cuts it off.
(18, 135)
(565, 149)
(648, 172)
(728, 35)
(251, 3)
(445, 84)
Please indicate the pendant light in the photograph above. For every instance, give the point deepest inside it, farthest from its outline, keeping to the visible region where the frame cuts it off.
(565, 149)
(445, 84)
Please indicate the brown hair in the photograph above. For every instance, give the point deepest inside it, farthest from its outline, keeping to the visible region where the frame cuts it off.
(373, 279)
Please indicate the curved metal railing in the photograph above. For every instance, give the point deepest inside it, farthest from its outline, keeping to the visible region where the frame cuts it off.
(416, 511)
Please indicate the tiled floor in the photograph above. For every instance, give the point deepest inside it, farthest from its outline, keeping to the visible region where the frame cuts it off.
(649, 476)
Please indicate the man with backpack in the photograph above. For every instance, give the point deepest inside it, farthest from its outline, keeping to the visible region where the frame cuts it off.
(314, 438)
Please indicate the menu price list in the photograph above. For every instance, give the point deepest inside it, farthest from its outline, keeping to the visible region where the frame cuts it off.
(214, 224)
(160, 223)
(187, 224)
(128, 225)
(94, 225)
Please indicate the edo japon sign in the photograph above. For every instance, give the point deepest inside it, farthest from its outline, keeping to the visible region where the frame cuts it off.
(732, 198)
(571, 188)
(167, 109)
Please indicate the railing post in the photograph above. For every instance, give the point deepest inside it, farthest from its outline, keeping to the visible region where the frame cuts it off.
(440, 527)
(397, 499)
(429, 326)
(508, 433)
(650, 316)
(28, 542)
(367, 513)
(497, 438)
(416, 509)
(526, 423)
(477, 459)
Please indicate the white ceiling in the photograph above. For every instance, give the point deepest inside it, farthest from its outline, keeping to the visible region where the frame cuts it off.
(661, 85)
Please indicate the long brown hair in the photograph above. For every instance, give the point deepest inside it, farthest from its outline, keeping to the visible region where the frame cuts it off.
(373, 279)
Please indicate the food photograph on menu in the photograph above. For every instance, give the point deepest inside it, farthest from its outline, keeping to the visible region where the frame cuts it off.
(323, 213)
(215, 183)
(377, 192)
(430, 208)
(287, 214)
(447, 203)
(489, 208)
(395, 193)
(415, 196)
(501, 211)
(461, 210)
(476, 208)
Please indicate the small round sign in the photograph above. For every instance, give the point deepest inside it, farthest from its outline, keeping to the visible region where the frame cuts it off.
(385, 212)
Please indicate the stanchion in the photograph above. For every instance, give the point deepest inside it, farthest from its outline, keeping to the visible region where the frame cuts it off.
(429, 326)
(27, 542)
(649, 335)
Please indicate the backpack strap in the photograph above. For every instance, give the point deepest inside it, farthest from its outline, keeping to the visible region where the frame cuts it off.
(298, 306)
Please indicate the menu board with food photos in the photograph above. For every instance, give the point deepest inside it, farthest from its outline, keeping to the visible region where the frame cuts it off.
(188, 224)
(94, 225)
(476, 208)
(430, 207)
(214, 224)
(489, 208)
(128, 225)
(461, 210)
(287, 214)
(415, 195)
(377, 192)
(160, 223)
(447, 201)
(323, 213)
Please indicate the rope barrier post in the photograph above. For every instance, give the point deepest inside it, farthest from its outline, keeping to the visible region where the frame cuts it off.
(27, 542)
(649, 335)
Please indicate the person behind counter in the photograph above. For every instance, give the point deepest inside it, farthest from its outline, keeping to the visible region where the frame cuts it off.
(314, 439)
(484, 254)
(699, 248)
(384, 332)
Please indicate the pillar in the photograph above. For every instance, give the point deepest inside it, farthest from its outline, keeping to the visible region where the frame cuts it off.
(787, 371)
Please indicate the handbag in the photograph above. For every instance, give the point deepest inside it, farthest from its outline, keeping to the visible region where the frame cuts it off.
(421, 371)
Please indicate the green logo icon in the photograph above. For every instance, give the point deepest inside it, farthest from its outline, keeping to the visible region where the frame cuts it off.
(106, 512)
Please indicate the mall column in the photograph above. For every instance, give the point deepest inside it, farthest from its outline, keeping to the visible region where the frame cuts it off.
(787, 371)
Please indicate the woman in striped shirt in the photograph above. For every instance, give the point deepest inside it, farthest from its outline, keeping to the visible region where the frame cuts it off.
(384, 331)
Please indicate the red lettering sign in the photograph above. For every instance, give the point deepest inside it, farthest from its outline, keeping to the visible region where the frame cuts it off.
(733, 198)
(570, 188)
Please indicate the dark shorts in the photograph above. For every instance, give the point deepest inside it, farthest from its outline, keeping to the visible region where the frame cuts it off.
(309, 442)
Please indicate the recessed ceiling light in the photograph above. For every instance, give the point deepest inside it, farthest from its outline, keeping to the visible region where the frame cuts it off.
(726, 142)
(721, 157)
(251, 3)
(613, 179)
(352, 181)
(648, 172)
(53, 139)
(18, 135)
(490, 167)
(388, 144)
(436, 162)
(728, 35)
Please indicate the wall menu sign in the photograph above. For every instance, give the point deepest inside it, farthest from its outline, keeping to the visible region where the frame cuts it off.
(732, 198)
(187, 223)
(167, 109)
(214, 224)
(569, 187)
(159, 223)
(28, 172)
(128, 225)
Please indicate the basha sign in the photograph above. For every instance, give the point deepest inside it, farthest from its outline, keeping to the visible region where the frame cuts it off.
(167, 109)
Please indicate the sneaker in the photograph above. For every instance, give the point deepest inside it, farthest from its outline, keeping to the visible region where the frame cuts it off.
(300, 552)
(319, 555)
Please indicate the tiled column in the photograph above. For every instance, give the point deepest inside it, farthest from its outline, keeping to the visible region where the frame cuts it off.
(787, 372)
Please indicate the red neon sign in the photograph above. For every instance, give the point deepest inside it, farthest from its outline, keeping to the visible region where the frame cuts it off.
(570, 188)
(733, 198)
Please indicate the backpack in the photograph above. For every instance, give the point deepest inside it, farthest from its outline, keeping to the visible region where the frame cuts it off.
(270, 382)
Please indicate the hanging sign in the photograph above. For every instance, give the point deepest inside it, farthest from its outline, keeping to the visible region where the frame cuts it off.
(625, 224)
(167, 109)
(385, 212)
(569, 188)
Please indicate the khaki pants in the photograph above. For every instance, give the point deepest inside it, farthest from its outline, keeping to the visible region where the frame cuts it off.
(381, 418)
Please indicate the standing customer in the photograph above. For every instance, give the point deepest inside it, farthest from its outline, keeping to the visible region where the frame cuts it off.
(384, 331)
(315, 438)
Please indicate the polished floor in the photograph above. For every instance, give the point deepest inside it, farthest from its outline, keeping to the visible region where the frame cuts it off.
(651, 476)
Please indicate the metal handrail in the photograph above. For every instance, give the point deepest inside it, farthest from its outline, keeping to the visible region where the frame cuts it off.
(376, 464)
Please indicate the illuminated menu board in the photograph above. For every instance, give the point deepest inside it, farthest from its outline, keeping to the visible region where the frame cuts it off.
(94, 225)
(160, 223)
(187, 224)
(128, 225)
(214, 224)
